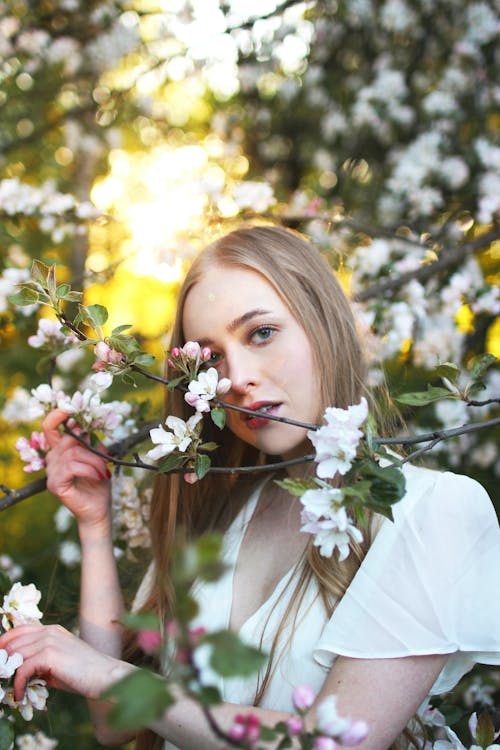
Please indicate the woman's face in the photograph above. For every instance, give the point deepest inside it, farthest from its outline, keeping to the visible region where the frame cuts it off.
(258, 344)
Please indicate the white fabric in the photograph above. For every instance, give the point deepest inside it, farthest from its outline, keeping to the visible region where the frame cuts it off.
(430, 584)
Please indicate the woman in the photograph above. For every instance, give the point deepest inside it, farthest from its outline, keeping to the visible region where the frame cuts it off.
(381, 630)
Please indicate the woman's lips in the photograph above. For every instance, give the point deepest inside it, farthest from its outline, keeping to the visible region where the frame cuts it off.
(264, 407)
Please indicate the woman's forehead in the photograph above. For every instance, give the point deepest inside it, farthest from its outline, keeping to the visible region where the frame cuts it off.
(223, 294)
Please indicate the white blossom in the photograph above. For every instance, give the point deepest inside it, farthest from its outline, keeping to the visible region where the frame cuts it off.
(328, 720)
(9, 664)
(19, 606)
(205, 388)
(35, 698)
(69, 553)
(10, 568)
(179, 439)
(325, 518)
(257, 196)
(63, 518)
(336, 442)
(37, 741)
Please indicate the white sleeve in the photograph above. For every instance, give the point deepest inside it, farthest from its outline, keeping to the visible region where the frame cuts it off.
(430, 583)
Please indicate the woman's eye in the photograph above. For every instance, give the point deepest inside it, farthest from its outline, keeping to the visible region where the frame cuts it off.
(264, 333)
(215, 358)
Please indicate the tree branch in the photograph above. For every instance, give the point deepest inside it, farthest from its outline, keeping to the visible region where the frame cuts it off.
(447, 259)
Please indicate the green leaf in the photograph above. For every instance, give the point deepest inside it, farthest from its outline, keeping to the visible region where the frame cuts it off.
(120, 329)
(297, 487)
(128, 379)
(477, 366)
(24, 297)
(218, 417)
(141, 698)
(448, 370)
(285, 742)
(233, 658)
(171, 462)
(39, 272)
(124, 344)
(210, 446)
(267, 734)
(485, 730)
(186, 608)
(200, 559)
(425, 397)
(62, 290)
(143, 360)
(98, 314)
(73, 296)
(6, 734)
(140, 621)
(175, 382)
(201, 465)
(387, 484)
(208, 695)
(51, 281)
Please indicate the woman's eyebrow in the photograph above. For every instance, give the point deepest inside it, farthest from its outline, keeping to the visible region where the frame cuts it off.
(238, 322)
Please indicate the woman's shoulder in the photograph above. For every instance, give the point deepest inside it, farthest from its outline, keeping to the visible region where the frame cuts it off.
(438, 493)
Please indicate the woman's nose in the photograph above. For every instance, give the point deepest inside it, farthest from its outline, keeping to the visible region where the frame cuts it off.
(242, 372)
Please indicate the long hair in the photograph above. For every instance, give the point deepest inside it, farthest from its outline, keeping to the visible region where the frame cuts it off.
(307, 285)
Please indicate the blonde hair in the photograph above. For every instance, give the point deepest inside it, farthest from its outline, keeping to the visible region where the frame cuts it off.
(307, 285)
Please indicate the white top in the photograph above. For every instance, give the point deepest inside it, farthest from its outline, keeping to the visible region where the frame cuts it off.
(429, 584)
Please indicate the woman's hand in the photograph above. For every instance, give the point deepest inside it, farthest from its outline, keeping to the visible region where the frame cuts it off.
(75, 475)
(62, 660)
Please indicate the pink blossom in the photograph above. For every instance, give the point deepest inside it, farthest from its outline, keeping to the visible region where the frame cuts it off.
(105, 356)
(32, 451)
(175, 353)
(245, 728)
(294, 725)
(324, 743)
(192, 350)
(205, 353)
(303, 697)
(148, 640)
(223, 386)
(357, 732)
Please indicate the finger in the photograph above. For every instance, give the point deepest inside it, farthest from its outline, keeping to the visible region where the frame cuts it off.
(50, 426)
(61, 459)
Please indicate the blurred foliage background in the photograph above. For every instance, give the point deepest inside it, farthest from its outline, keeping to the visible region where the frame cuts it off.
(133, 133)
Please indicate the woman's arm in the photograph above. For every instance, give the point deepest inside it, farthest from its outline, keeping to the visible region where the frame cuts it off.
(80, 480)
(384, 692)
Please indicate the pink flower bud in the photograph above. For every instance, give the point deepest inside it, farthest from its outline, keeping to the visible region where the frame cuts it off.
(101, 351)
(172, 629)
(191, 349)
(206, 353)
(237, 731)
(303, 697)
(223, 386)
(356, 733)
(195, 635)
(171, 364)
(324, 743)
(245, 728)
(175, 353)
(295, 725)
(148, 640)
